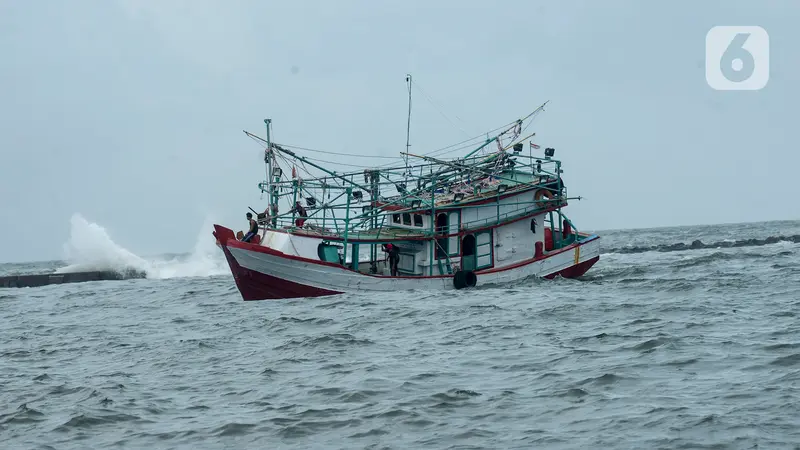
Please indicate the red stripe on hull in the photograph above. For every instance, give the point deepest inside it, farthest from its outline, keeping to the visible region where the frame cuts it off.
(576, 270)
(259, 286)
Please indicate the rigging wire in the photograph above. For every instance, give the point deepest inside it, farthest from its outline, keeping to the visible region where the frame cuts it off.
(357, 166)
(336, 153)
(435, 106)
(452, 147)
(440, 151)
(360, 166)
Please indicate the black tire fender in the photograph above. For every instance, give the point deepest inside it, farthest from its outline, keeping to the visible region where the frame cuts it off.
(470, 278)
(464, 278)
(459, 279)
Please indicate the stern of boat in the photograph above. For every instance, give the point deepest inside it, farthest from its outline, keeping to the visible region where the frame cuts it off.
(585, 254)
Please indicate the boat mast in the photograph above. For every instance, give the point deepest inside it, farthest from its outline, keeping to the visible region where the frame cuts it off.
(273, 201)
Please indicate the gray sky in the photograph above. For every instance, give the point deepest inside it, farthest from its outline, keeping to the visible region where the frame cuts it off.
(130, 112)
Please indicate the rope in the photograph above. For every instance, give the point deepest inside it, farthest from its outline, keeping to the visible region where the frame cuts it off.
(338, 153)
(440, 151)
(439, 110)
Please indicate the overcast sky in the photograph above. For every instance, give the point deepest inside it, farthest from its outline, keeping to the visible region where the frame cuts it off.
(131, 112)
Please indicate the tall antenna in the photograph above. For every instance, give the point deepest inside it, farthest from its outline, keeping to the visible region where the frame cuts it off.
(408, 126)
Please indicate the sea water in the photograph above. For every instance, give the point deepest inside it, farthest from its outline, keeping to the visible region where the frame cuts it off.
(663, 344)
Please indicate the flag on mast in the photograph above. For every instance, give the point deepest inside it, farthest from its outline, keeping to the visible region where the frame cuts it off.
(534, 145)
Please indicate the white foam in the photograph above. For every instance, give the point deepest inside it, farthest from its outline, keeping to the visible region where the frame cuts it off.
(91, 248)
(205, 260)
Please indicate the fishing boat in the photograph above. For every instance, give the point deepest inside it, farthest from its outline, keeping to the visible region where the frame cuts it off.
(492, 216)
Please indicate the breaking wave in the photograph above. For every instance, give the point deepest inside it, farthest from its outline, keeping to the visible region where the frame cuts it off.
(90, 248)
(699, 245)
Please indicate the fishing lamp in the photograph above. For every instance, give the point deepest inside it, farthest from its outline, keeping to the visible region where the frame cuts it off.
(358, 195)
(458, 196)
(549, 152)
(502, 188)
(277, 172)
(416, 203)
(518, 147)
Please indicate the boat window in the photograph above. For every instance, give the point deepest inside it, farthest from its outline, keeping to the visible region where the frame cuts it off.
(406, 219)
(417, 220)
(396, 218)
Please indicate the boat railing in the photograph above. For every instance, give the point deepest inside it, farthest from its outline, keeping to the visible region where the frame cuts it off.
(511, 215)
(334, 226)
(357, 209)
(394, 181)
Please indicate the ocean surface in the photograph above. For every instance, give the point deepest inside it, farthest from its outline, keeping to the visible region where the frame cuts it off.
(679, 338)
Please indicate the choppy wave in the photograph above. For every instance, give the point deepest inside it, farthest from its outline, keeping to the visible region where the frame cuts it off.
(651, 349)
(699, 245)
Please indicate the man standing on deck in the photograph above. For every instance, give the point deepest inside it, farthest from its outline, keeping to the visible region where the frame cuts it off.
(394, 257)
(298, 208)
(253, 229)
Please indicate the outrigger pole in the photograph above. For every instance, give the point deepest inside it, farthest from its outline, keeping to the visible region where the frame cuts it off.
(470, 169)
(294, 155)
(269, 156)
(489, 141)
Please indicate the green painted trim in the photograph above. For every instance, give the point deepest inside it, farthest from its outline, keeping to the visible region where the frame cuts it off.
(355, 256)
(347, 221)
(457, 251)
(490, 244)
(294, 200)
(432, 243)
